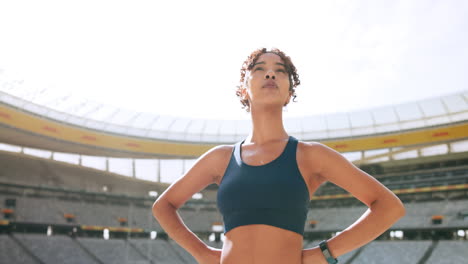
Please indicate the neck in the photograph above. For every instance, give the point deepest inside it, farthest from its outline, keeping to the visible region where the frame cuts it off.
(267, 125)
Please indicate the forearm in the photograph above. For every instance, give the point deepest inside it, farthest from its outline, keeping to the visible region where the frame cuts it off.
(381, 215)
(172, 223)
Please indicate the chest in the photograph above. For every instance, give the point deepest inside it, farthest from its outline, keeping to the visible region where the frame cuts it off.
(277, 183)
(257, 156)
(260, 156)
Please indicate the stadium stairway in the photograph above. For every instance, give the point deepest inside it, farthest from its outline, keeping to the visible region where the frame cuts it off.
(94, 257)
(355, 255)
(25, 249)
(138, 251)
(449, 252)
(428, 253)
(171, 246)
(54, 249)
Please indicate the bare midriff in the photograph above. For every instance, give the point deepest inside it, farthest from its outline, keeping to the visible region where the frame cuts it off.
(259, 244)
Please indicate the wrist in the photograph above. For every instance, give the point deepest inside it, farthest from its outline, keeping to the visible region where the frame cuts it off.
(313, 256)
(326, 252)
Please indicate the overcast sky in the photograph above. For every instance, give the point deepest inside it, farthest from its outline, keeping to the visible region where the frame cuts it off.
(183, 57)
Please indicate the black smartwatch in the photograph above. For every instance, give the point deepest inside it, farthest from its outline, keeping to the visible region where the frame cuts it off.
(326, 253)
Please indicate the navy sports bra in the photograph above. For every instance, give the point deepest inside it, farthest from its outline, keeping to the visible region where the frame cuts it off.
(273, 194)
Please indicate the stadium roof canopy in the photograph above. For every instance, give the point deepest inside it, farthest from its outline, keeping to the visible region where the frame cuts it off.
(100, 117)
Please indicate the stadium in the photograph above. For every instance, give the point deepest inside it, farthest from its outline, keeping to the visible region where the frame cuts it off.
(56, 208)
(79, 176)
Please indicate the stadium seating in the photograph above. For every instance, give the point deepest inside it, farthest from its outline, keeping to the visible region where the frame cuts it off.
(24, 169)
(51, 211)
(113, 250)
(161, 251)
(419, 214)
(12, 252)
(449, 252)
(391, 252)
(55, 249)
(45, 191)
(37, 248)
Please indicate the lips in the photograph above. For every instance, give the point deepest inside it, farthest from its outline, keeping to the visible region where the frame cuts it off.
(270, 84)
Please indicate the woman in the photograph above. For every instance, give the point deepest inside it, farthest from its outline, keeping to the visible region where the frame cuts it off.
(267, 180)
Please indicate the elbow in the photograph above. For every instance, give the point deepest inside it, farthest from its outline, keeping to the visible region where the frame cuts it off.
(402, 209)
(159, 206)
(392, 207)
(157, 203)
(399, 209)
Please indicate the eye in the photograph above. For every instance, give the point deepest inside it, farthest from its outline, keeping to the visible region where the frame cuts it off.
(281, 70)
(258, 69)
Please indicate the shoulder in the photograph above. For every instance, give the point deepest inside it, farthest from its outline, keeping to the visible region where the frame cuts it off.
(219, 152)
(308, 156)
(205, 171)
(312, 148)
(310, 145)
(316, 155)
(217, 158)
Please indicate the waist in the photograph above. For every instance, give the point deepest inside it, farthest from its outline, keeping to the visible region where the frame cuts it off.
(262, 244)
(257, 257)
(291, 219)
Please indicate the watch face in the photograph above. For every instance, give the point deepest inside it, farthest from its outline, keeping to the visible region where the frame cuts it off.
(323, 245)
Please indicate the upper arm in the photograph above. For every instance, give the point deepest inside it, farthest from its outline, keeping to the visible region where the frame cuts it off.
(206, 170)
(333, 167)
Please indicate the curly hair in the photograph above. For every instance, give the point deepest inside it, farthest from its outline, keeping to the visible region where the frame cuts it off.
(250, 62)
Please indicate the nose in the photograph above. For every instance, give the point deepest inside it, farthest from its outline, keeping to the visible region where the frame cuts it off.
(270, 74)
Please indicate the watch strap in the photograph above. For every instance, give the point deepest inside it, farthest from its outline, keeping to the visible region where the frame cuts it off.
(326, 253)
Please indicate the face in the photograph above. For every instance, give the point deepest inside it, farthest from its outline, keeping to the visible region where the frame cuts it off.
(267, 83)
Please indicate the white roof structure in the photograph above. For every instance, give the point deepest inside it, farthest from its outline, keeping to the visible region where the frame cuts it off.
(96, 116)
